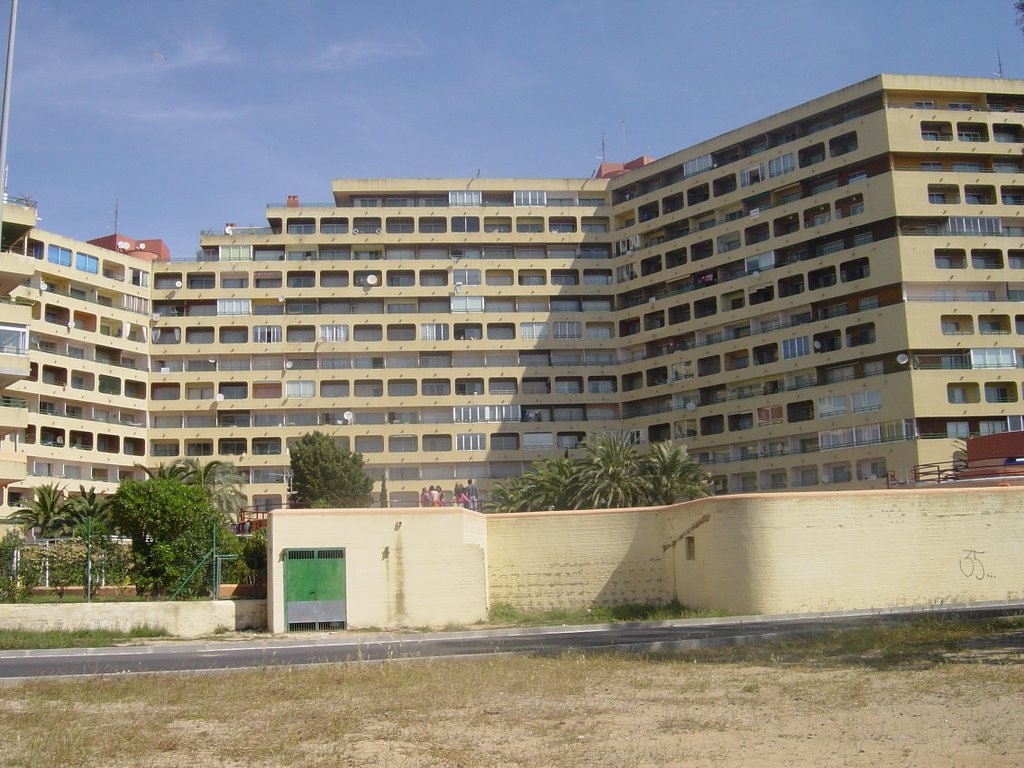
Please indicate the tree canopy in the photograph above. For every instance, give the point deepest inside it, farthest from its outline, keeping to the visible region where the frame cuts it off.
(171, 527)
(612, 472)
(326, 475)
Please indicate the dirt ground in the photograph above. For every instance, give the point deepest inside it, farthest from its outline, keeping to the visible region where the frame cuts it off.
(570, 712)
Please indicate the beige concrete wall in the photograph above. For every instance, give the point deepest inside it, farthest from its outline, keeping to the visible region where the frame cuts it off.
(181, 619)
(866, 549)
(759, 553)
(404, 567)
(544, 560)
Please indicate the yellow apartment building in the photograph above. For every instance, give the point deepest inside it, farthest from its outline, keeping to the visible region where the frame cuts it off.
(821, 299)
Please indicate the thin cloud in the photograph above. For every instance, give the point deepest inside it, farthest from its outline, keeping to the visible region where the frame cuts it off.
(353, 53)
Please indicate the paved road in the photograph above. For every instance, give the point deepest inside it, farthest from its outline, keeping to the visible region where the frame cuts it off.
(341, 647)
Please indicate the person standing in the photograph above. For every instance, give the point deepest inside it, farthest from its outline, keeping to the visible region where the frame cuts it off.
(473, 493)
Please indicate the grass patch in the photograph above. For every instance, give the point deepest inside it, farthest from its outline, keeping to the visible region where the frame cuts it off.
(506, 614)
(21, 640)
(921, 642)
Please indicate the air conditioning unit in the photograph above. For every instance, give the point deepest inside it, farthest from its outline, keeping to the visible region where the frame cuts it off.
(165, 370)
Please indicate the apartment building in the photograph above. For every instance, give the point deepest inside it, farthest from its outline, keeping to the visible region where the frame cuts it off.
(82, 388)
(824, 298)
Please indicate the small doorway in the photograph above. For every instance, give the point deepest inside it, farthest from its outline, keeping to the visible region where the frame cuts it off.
(314, 589)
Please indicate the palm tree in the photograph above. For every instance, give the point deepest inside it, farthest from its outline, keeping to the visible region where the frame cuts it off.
(173, 471)
(87, 505)
(611, 474)
(221, 480)
(674, 475)
(45, 512)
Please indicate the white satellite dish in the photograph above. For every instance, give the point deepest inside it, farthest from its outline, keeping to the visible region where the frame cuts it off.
(902, 358)
(371, 279)
(123, 245)
(141, 246)
(355, 231)
(44, 286)
(691, 406)
(289, 364)
(220, 397)
(347, 415)
(228, 230)
(280, 299)
(177, 283)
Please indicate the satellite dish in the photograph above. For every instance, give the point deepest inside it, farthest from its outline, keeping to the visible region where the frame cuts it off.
(228, 230)
(902, 358)
(347, 415)
(817, 344)
(177, 283)
(220, 397)
(289, 364)
(691, 406)
(71, 325)
(756, 274)
(123, 245)
(142, 246)
(44, 286)
(35, 339)
(378, 230)
(280, 299)
(371, 279)
(355, 231)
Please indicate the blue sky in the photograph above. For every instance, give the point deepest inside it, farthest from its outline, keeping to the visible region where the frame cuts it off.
(193, 113)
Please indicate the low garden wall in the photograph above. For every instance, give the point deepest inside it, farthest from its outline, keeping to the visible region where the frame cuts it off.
(191, 618)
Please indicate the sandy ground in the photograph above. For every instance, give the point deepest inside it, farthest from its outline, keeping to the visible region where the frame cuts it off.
(572, 712)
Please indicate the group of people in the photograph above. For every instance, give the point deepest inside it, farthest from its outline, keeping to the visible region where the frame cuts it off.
(467, 496)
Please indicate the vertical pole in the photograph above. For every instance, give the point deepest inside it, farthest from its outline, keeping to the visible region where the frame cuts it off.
(88, 560)
(6, 112)
(213, 565)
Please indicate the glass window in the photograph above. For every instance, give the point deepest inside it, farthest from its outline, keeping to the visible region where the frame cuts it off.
(87, 263)
(57, 255)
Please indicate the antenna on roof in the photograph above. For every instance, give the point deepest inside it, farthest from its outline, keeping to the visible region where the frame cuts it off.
(115, 215)
(999, 58)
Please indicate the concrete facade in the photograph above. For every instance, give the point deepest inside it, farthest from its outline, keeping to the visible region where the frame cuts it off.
(759, 553)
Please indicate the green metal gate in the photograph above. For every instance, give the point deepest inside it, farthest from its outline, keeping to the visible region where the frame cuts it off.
(314, 589)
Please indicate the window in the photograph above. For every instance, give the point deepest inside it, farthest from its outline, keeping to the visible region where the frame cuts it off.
(266, 334)
(233, 307)
(993, 358)
(333, 333)
(300, 389)
(831, 405)
(433, 331)
(533, 330)
(781, 165)
(797, 347)
(467, 303)
(57, 255)
(528, 198)
(960, 393)
(866, 401)
(465, 223)
(950, 259)
(87, 263)
(465, 197)
(468, 442)
(567, 330)
(752, 175)
(466, 276)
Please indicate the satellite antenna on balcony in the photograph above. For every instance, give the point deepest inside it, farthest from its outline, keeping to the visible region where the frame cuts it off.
(902, 358)
(371, 279)
(347, 416)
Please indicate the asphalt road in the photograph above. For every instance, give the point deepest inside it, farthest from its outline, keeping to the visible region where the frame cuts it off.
(342, 647)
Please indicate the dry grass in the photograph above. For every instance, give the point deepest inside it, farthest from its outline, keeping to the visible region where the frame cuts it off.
(575, 711)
